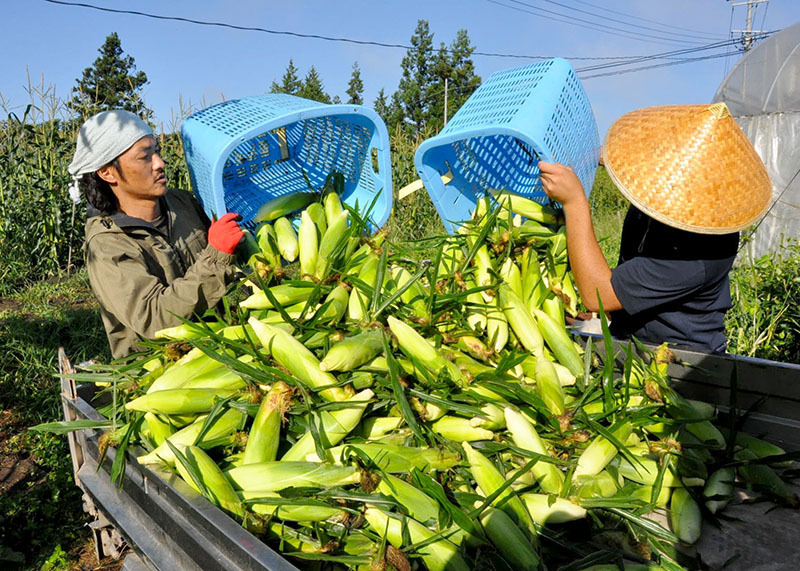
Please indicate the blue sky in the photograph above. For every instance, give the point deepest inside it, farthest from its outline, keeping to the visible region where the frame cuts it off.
(201, 65)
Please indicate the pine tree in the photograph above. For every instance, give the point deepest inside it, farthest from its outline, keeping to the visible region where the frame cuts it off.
(415, 84)
(355, 88)
(381, 105)
(290, 82)
(112, 82)
(455, 64)
(313, 88)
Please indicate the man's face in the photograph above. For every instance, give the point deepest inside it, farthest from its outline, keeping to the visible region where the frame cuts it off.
(140, 174)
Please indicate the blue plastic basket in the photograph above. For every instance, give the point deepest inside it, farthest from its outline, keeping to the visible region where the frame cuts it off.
(244, 152)
(497, 137)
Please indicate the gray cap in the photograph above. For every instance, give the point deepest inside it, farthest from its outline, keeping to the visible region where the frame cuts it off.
(101, 139)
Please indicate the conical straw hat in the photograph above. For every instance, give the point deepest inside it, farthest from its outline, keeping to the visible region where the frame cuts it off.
(688, 166)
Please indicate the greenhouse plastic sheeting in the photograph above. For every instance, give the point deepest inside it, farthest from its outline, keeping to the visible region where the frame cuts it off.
(763, 94)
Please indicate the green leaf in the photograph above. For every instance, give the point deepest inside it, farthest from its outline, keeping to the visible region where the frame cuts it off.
(67, 426)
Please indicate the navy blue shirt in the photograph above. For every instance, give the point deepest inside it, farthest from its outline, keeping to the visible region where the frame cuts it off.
(672, 284)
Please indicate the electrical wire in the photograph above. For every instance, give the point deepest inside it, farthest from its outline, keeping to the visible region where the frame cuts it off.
(641, 19)
(596, 15)
(308, 36)
(605, 29)
(644, 68)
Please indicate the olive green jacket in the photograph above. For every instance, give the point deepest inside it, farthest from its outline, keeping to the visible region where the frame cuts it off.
(143, 279)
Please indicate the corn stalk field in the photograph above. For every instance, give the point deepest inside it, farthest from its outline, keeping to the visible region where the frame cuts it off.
(45, 302)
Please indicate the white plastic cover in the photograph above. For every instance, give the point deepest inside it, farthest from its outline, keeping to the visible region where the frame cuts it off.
(763, 93)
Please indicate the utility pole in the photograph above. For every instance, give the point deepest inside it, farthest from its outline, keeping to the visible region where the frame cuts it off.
(748, 35)
(445, 102)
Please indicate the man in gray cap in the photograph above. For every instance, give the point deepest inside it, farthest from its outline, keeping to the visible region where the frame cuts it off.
(151, 253)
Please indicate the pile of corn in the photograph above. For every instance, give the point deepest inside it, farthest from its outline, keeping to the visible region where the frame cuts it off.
(365, 410)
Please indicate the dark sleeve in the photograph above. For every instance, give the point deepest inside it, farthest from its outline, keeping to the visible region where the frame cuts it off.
(647, 283)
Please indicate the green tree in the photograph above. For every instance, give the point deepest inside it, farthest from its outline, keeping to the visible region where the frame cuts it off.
(112, 82)
(454, 64)
(413, 92)
(355, 88)
(290, 82)
(381, 105)
(313, 88)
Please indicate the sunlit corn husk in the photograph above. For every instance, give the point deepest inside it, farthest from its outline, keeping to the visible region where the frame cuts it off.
(460, 429)
(308, 245)
(545, 509)
(268, 244)
(477, 310)
(492, 417)
(331, 240)
(376, 426)
(718, 490)
(194, 363)
(353, 351)
(179, 401)
(286, 511)
(334, 306)
(599, 453)
(221, 432)
(284, 294)
(265, 433)
(394, 458)
(415, 296)
(301, 362)
(360, 299)
(158, 430)
(276, 476)
(549, 387)
(509, 539)
(484, 266)
(520, 319)
(602, 485)
(496, 326)
(333, 207)
(334, 426)
(420, 505)
(286, 237)
(645, 471)
(707, 433)
(438, 555)
(550, 478)
(559, 342)
(416, 346)
(212, 484)
(185, 331)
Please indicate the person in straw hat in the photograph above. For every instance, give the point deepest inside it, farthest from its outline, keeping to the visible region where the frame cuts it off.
(152, 255)
(694, 181)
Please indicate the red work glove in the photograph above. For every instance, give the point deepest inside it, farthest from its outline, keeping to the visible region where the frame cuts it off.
(224, 234)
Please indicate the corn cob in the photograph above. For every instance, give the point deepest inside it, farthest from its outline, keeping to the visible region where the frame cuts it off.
(549, 387)
(764, 478)
(220, 378)
(287, 239)
(559, 342)
(512, 276)
(484, 268)
(158, 429)
(213, 484)
(489, 480)
(419, 505)
(509, 539)
(491, 417)
(359, 300)
(301, 362)
(496, 325)
(268, 244)
(262, 443)
(184, 332)
(179, 401)
(460, 429)
(285, 294)
(317, 214)
(520, 319)
(221, 432)
(602, 485)
(395, 458)
(526, 207)
(544, 509)
(553, 307)
(684, 516)
(718, 490)
(194, 363)
(335, 425)
(645, 471)
(416, 346)
(645, 494)
(353, 352)
(333, 207)
(376, 426)
(287, 512)
(308, 244)
(707, 433)
(599, 453)
(276, 476)
(762, 449)
(438, 555)
(415, 295)
(329, 242)
(524, 434)
(476, 309)
(283, 205)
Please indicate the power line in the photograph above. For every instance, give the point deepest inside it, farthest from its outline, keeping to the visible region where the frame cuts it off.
(644, 68)
(642, 19)
(605, 29)
(308, 36)
(596, 15)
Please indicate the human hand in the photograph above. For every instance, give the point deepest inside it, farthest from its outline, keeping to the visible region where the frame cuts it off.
(561, 183)
(224, 234)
